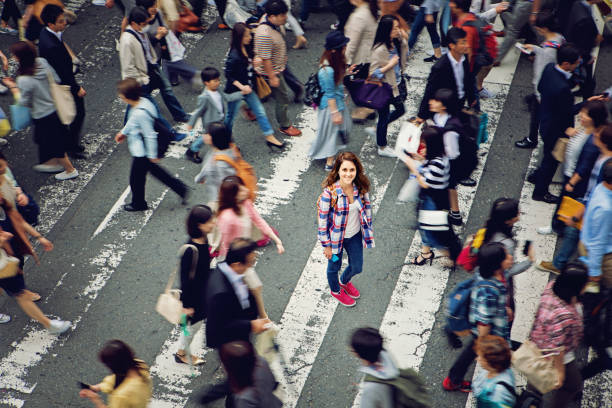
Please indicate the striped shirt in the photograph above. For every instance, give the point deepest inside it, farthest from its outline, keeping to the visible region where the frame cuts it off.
(333, 219)
(436, 172)
(270, 45)
(556, 324)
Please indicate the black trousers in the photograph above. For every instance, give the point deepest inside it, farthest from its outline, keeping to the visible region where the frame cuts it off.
(293, 82)
(9, 11)
(548, 166)
(534, 118)
(138, 177)
(461, 365)
(77, 124)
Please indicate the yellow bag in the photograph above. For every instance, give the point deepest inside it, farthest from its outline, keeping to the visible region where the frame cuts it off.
(5, 127)
(262, 87)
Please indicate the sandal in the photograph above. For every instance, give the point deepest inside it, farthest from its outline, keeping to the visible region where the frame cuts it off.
(424, 259)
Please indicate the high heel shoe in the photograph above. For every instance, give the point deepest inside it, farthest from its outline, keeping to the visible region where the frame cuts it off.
(271, 145)
(424, 260)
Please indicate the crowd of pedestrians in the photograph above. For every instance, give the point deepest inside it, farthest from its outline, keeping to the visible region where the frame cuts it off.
(372, 42)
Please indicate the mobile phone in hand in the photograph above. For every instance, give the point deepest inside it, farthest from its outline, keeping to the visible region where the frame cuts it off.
(526, 247)
(84, 386)
(523, 49)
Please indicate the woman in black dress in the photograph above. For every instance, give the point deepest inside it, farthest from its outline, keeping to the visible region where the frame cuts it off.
(195, 271)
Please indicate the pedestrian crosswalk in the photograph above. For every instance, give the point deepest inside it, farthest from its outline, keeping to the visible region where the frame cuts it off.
(313, 330)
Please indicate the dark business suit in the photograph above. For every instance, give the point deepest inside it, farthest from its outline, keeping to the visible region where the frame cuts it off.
(557, 112)
(227, 320)
(53, 50)
(582, 32)
(442, 76)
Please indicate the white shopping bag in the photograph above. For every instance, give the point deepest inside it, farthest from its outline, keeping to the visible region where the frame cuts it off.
(408, 139)
(234, 14)
(409, 192)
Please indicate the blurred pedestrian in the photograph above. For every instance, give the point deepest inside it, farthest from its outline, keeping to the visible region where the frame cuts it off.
(494, 385)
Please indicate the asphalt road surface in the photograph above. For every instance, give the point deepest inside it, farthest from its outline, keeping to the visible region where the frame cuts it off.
(109, 266)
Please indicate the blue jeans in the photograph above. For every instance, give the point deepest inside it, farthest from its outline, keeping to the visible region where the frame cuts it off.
(417, 27)
(158, 80)
(385, 117)
(571, 236)
(178, 68)
(354, 249)
(197, 144)
(252, 100)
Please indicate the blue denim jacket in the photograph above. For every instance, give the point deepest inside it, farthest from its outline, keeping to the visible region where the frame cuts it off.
(329, 88)
(141, 137)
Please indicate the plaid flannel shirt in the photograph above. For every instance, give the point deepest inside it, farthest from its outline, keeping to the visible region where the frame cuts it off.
(488, 306)
(332, 221)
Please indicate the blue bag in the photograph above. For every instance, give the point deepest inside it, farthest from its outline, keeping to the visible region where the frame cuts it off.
(458, 308)
(20, 116)
(483, 135)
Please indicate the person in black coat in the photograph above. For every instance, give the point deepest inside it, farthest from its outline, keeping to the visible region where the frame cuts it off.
(557, 111)
(51, 46)
(582, 32)
(231, 308)
(442, 74)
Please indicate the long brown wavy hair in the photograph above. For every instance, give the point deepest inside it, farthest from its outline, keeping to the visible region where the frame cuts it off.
(361, 181)
(227, 194)
(337, 60)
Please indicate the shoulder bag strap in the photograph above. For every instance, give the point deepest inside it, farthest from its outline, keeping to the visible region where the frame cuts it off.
(507, 386)
(227, 159)
(194, 258)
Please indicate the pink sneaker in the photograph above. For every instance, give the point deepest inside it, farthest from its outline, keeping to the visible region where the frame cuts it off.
(343, 298)
(351, 290)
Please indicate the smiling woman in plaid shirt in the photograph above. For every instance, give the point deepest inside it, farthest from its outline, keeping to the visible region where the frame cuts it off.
(345, 222)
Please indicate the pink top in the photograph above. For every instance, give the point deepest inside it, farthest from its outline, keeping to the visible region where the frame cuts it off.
(230, 225)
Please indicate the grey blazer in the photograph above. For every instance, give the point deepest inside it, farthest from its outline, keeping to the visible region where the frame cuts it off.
(207, 109)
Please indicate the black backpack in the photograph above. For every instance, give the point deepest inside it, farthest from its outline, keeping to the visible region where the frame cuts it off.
(164, 135)
(312, 91)
(468, 150)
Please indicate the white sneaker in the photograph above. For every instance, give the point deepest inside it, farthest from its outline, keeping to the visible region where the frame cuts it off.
(484, 93)
(4, 318)
(58, 326)
(3, 141)
(545, 230)
(371, 131)
(67, 176)
(386, 152)
(48, 168)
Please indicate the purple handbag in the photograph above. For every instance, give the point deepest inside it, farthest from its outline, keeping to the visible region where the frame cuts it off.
(374, 95)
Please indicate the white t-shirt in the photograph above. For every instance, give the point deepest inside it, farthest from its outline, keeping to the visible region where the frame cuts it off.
(353, 224)
(216, 97)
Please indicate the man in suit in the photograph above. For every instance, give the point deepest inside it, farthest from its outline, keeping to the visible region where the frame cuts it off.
(51, 46)
(232, 311)
(557, 111)
(451, 71)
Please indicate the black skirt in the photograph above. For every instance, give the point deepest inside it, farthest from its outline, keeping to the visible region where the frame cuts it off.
(51, 136)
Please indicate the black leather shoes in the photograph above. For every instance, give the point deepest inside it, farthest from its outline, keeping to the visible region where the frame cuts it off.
(526, 143)
(131, 208)
(468, 182)
(547, 198)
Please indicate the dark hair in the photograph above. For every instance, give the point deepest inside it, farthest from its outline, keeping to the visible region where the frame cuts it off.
(337, 61)
(567, 53)
(236, 42)
(463, 5)
(130, 88)
(26, 54)
(373, 5)
(571, 281)
(51, 13)
(199, 214)
(138, 15)
(3, 157)
(221, 137)
(605, 136)
(276, 7)
(210, 73)
(239, 249)
(119, 358)
(367, 343)
(607, 172)
(546, 19)
(455, 34)
(434, 142)
(495, 351)
(503, 209)
(597, 111)
(238, 359)
(490, 257)
(361, 180)
(146, 4)
(228, 190)
(447, 98)
(383, 31)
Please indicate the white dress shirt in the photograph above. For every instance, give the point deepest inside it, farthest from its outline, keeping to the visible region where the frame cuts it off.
(566, 74)
(458, 71)
(58, 35)
(240, 288)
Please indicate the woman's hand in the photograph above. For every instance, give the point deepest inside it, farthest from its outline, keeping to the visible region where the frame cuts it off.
(89, 393)
(327, 251)
(120, 137)
(246, 90)
(421, 181)
(394, 61)
(336, 118)
(22, 199)
(189, 311)
(571, 132)
(279, 247)
(429, 19)
(569, 188)
(351, 69)
(46, 244)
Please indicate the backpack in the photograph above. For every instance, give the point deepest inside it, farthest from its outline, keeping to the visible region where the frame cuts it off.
(468, 257)
(164, 135)
(468, 150)
(244, 170)
(484, 402)
(458, 307)
(312, 91)
(409, 390)
(487, 44)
